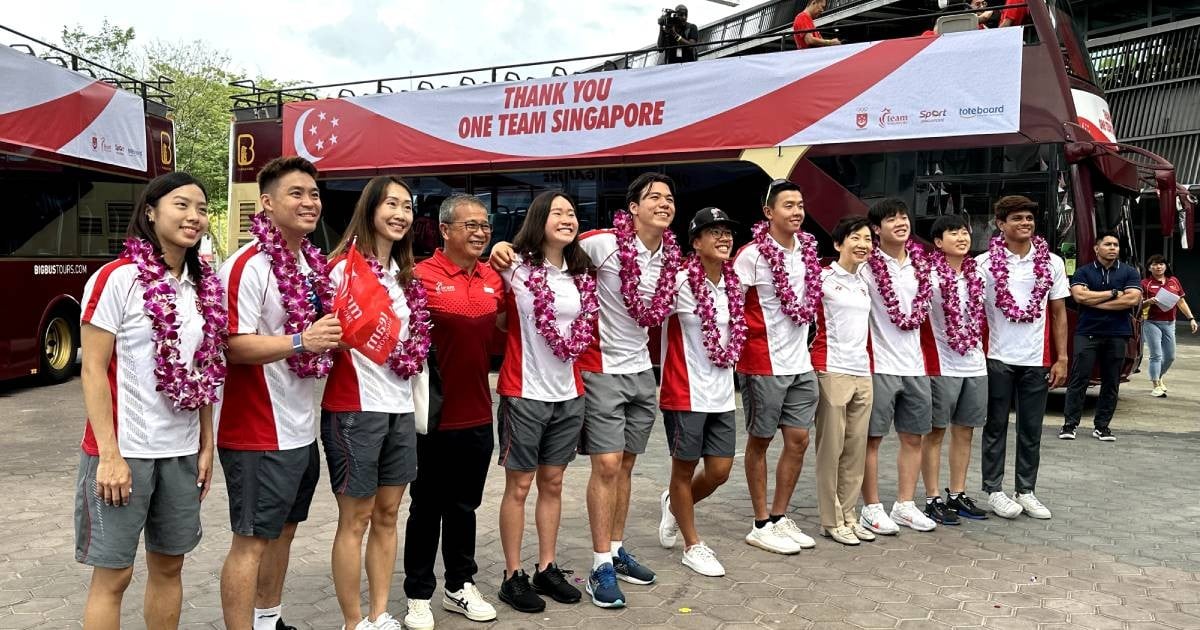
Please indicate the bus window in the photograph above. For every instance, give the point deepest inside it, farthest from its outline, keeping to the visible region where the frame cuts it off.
(105, 209)
(40, 214)
(428, 195)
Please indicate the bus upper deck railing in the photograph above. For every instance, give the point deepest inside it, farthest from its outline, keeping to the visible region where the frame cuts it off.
(151, 90)
(264, 103)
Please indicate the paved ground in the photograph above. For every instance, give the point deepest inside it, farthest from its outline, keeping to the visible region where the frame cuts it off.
(1121, 551)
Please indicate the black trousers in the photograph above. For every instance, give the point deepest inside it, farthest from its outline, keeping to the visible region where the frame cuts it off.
(452, 467)
(1110, 352)
(1027, 387)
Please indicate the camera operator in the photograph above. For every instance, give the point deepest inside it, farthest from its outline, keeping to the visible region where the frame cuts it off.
(676, 36)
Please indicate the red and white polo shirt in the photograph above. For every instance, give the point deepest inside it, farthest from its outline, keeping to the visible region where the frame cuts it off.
(940, 358)
(146, 422)
(894, 351)
(622, 346)
(265, 407)
(843, 334)
(774, 345)
(690, 381)
(530, 369)
(357, 383)
(1016, 343)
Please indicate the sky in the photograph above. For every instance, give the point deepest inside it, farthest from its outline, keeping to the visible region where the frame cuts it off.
(334, 41)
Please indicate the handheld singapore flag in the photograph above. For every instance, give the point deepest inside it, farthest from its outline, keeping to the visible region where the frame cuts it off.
(364, 309)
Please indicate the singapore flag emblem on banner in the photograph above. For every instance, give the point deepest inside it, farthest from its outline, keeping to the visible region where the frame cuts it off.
(889, 90)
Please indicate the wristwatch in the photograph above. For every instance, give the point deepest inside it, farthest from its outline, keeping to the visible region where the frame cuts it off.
(1116, 294)
(297, 344)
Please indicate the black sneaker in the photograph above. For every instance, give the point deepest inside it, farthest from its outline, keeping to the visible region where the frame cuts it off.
(553, 582)
(1104, 435)
(516, 592)
(279, 625)
(940, 513)
(1067, 432)
(964, 506)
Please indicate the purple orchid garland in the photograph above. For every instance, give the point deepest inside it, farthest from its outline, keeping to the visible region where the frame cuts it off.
(631, 275)
(706, 312)
(407, 358)
(919, 309)
(1043, 279)
(800, 313)
(964, 319)
(582, 330)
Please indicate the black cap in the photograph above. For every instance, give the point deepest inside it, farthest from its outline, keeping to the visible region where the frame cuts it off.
(681, 9)
(708, 217)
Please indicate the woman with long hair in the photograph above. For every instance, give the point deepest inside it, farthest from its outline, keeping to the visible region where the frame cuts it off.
(367, 424)
(153, 334)
(551, 314)
(1158, 327)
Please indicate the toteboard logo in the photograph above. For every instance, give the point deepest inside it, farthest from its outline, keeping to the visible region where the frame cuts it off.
(971, 112)
(887, 118)
(932, 115)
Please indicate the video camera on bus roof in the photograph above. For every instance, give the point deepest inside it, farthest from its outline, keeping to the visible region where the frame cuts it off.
(671, 15)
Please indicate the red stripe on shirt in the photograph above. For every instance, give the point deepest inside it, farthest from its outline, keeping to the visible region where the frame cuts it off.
(235, 281)
(675, 393)
(929, 351)
(98, 288)
(89, 444)
(820, 345)
(342, 390)
(756, 355)
(511, 381)
(1046, 358)
(247, 419)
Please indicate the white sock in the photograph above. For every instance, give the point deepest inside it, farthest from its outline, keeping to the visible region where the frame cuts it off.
(266, 618)
(616, 546)
(599, 558)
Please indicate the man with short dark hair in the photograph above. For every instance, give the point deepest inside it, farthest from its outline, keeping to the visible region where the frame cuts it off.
(805, 21)
(1106, 292)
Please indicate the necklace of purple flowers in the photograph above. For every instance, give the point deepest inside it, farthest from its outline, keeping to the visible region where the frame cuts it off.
(566, 348)
(301, 312)
(919, 309)
(800, 312)
(706, 312)
(407, 357)
(964, 318)
(631, 274)
(1042, 280)
(188, 387)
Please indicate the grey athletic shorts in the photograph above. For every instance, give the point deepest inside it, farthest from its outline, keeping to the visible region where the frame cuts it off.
(535, 433)
(367, 449)
(959, 400)
(165, 504)
(620, 412)
(695, 434)
(771, 402)
(903, 400)
(269, 488)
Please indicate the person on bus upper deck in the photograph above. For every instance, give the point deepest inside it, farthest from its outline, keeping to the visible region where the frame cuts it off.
(702, 341)
(281, 331)
(676, 36)
(1016, 16)
(1106, 292)
(368, 428)
(619, 387)
(959, 382)
(465, 300)
(780, 272)
(146, 458)
(898, 274)
(551, 312)
(1026, 288)
(805, 22)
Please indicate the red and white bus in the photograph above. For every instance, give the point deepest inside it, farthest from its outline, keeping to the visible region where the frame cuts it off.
(77, 143)
(948, 123)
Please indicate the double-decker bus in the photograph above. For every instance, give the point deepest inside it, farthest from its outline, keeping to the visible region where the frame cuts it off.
(948, 122)
(78, 141)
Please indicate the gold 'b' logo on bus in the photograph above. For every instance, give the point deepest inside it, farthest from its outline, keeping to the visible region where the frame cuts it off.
(166, 154)
(245, 149)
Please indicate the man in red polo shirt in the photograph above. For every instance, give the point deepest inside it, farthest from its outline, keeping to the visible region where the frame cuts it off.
(804, 22)
(465, 299)
(1015, 16)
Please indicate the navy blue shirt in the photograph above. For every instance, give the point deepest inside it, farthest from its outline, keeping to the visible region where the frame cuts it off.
(1095, 322)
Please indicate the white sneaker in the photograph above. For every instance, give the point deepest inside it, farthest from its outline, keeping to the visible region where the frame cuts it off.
(1003, 506)
(668, 529)
(702, 560)
(789, 528)
(388, 622)
(1158, 392)
(362, 625)
(767, 538)
(470, 602)
(907, 514)
(1032, 506)
(419, 616)
(876, 519)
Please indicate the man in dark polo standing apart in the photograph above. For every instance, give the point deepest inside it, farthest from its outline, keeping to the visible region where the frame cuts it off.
(1106, 291)
(465, 298)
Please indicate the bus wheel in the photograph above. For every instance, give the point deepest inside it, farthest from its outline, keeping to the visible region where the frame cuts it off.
(60, 344)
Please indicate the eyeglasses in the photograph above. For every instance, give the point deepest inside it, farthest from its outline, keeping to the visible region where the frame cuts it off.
(720, 234)
(473, 226)
(772, 186)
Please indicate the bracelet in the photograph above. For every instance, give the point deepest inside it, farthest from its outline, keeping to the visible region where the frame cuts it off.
(297, 344)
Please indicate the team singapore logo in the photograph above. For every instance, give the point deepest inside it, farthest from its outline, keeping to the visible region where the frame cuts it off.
(861, 118)
(932, 115)
(972, 112)
(888, 119)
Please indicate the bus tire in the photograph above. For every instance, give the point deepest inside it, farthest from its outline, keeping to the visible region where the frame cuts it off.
(59, 344)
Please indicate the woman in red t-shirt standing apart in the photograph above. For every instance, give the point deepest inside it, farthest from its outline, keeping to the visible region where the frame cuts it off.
(1159, 328)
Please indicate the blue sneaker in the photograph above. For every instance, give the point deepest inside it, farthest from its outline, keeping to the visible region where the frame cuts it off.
(602, 586)
(630, 570)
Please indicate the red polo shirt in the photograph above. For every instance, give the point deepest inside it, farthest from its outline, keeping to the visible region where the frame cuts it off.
(1017, 15)
(464, 306)
(803, 23)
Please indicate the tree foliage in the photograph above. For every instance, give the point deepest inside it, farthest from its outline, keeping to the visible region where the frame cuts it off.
(200, 77)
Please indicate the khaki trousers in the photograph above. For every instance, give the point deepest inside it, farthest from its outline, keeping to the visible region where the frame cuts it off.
(843, 414)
